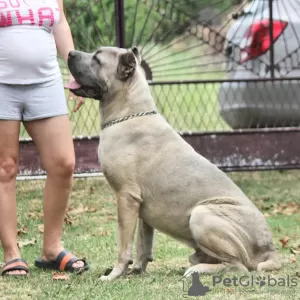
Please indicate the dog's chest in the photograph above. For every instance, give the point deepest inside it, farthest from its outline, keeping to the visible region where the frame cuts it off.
(115, 152)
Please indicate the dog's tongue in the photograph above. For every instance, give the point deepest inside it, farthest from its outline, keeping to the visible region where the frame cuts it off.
(73, 85)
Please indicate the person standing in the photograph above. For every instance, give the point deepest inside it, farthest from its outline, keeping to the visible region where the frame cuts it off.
(32, 92)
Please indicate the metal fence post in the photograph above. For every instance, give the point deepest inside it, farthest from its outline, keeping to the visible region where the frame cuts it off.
(271, 38)
(120, 23)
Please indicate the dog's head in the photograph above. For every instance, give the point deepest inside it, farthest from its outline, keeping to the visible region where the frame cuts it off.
(101, 72)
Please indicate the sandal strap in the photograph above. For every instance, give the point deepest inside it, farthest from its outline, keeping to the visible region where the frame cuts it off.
(62, 259)
(65, 260)
(16, 260)
(18, 264)
(70, 263)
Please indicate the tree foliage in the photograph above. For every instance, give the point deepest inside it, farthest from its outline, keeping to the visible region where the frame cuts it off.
(93, 21)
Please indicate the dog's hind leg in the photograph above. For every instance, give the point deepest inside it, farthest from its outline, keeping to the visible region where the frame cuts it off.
(215, 268)
(204, 269)
(144, 247)
(128, 213)
(217, 238)
(200, 257)
(271, 263)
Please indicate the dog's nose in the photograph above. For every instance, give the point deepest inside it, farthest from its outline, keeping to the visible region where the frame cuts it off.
(71, 54)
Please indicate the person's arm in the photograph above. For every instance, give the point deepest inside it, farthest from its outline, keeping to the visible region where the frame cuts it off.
(62, 34)
(64, 44)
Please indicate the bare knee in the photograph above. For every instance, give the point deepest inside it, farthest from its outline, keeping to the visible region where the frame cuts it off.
(8, 169)
(62, 168)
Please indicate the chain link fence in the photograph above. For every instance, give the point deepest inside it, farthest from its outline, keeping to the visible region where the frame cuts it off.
(213, 67)
(197, 106)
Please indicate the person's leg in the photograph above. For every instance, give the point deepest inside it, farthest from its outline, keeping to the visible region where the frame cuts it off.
(9, 158)
(53, 139)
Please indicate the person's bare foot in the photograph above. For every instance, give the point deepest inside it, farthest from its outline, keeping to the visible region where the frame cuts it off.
(16, 272)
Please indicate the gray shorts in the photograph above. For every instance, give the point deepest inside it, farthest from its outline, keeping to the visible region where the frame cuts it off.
(32, 101)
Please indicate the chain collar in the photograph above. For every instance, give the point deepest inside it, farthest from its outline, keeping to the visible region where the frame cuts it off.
(141, 114)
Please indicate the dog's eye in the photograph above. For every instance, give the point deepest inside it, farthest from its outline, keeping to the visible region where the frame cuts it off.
(97, 60)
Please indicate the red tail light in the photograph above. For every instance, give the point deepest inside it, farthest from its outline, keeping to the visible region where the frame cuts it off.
(257, 39)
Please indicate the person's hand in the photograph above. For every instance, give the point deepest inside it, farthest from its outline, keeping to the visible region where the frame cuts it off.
(79, 100)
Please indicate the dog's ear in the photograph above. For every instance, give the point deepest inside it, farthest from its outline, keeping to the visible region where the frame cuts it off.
(126, 66)
(136, 53)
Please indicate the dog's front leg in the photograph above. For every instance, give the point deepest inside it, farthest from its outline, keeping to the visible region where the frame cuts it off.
(144, 247)
(128, 213)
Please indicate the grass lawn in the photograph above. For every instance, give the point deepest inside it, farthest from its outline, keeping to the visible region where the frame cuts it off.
(90, 231)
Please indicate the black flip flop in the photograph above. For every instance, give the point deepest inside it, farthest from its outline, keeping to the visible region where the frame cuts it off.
(18, 264)
(63, 262)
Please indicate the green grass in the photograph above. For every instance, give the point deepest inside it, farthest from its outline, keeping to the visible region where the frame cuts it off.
(93, 235)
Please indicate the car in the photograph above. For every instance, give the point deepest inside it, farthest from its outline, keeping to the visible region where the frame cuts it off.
(258, 93)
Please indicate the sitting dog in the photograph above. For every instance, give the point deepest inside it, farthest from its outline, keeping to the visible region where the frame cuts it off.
(160, 181)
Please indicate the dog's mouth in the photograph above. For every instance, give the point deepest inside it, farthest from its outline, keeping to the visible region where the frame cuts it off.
(85, 91)
(73, 85)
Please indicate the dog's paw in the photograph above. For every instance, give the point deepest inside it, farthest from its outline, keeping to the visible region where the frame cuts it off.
(135, 271)
(112, 274)
(139, 267)
(105, 278)
(191, 270)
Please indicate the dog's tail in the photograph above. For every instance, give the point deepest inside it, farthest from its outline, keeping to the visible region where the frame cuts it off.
(272, 263)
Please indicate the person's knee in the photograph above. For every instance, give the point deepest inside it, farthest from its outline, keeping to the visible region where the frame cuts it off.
(8, 169)
(62, 168)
